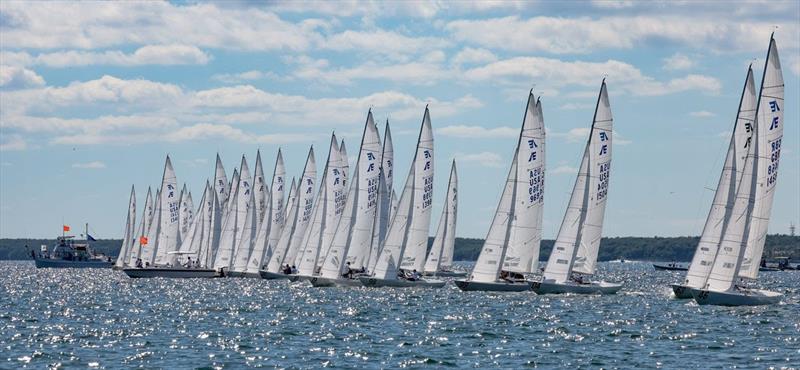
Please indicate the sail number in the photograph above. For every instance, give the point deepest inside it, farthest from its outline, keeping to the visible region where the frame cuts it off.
(427, 192)
(602, 184)
(372, 192)
(536, 185)
(775, 155)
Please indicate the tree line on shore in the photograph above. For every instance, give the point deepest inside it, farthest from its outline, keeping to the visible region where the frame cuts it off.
(656, 248)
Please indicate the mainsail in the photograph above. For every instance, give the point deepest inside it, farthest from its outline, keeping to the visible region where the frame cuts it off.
(406, 241)
(720, 212)
(270, 229)
(353, 236)
(384, 207)
(441, 254)
(260, 190)
(169, 210)
(193, 237)
(274, 262)
(578, 239)
(221, 183)
(144, 228)
(130, 229)
(244, 196)
(305, 209)
(227, 238)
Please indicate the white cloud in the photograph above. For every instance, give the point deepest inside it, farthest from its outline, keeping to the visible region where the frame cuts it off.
(90, 165)
(563, 169)
(13, 142)
(473, 56)
(576, 106)
(150, 54)
(575, 135)
(485, 159)
(381, 42)
(702, 114)
(555, 73)
(94, 25)
(12, 77)
(678, 62)
(477, 132)
(423, 72)
(583, 34)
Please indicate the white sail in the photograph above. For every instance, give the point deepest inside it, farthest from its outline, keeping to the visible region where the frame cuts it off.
(719, 214)
(221, 183)
(244, 196)
(212, 225)
(353, 236)
(246, 233)
(750, 215)
(770, 129)
(345, 161)
(320, 231)
(274, 261)
(144, 226)
(406, 241)
(395, 201)
(441, 254)
(301, 204)
(384, 208)
(522, 254)
(168, 238)
(227, 238)
(130, 229)
(183, 213)
(270, 230)
(578, 239)
(153, 231)
(260, 190)
(193, 237)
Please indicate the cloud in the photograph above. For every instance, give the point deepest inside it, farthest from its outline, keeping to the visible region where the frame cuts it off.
(485, 159)
(576, 106)
(678, 62)
(43, 25)
(702, 114)
(150, 54)
(477, 132)
(382, 42)
(13, 143)
(473, 56)
(563, 169)
(555, 73)
(575, 135)
(12, 77)
(424, 72)
(581, 35)
(90, 165)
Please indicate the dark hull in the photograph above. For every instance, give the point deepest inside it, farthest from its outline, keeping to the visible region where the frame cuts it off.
(54, 263)
(174, 273)
(670, 267)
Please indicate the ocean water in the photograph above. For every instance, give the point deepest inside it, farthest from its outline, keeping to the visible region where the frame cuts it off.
(102, 319)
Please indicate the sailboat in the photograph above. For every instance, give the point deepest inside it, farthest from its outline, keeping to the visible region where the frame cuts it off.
(743, 240)
(147, 214)
(269, 231)
(403, 253)
(511, 247)
(300, 211)
(127, 237)
(574, 255)
(328, 208)
(440, 258)
(383, 212)
(720, 213)
(352, 241)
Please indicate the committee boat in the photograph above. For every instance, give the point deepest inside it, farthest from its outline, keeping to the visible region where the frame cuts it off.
(737, 259)
(68, 253)
(511, 247)
(574, 256)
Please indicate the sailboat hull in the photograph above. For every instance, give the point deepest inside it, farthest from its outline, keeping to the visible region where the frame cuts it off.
(594, 287)
(296, 278)
(372, 282)
(272, 275)
(683, 291)
(743, 297)
(238, 274)
(57, 263)
(175, 273)
(498, 286)
(319, 281)
(453, 274)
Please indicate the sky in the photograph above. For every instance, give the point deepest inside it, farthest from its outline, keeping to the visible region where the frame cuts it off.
(94, 95)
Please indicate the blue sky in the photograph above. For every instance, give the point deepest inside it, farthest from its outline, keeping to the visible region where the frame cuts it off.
(94, 95)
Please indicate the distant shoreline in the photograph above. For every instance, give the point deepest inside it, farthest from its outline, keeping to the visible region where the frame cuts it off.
(679, 249)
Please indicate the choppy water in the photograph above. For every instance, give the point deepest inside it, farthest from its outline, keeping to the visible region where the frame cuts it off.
(100, 318)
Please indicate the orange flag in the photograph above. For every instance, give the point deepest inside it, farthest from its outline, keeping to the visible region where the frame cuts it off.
(66, 228)
(143, 240)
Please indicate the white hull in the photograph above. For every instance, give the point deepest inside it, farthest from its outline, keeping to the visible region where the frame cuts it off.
(594, 287)
(177, 273)
(272, 275)
(319, 281)
(296, 278)
(743, 297)
(498, 286)
(683, 291)
(397, 283)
